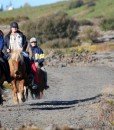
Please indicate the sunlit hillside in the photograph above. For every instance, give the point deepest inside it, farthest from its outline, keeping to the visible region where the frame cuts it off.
(100, 8)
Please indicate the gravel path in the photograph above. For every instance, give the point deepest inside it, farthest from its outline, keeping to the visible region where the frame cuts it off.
(68, 100)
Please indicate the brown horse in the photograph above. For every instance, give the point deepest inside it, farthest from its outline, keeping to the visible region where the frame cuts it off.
(19, 76)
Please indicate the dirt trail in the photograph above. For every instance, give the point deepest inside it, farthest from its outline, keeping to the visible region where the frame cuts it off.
(72, 91)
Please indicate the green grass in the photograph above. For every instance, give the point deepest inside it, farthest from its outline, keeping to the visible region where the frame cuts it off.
(103, 8)
(34, 12)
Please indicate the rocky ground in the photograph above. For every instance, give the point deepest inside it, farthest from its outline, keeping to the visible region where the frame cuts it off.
(74, 98)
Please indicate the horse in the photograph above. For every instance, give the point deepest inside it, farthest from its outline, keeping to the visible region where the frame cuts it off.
(38, 85)
(19, 77)
(2, 79)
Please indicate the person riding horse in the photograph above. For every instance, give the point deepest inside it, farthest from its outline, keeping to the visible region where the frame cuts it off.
(4, 71)
(15, 44)
(36, 55)
(3, 61)
(15, 40)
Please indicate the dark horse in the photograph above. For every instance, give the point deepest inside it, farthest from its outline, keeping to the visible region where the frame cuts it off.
(38, 86)
(18, 76)
(2, 79)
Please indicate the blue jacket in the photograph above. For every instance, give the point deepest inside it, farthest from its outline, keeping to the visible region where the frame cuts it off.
(1, 42)
(37, 54)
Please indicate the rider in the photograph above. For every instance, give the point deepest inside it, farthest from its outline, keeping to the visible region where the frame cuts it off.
(3, 61)
(37, 57)
(15, 40)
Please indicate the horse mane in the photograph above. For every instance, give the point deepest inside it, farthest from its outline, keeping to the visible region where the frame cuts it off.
(16, 63)
(16, 55)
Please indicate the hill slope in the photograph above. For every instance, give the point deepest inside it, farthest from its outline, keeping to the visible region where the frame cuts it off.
(102, 8)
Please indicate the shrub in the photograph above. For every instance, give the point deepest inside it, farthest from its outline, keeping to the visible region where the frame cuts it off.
(91, 3)
(75, 43)
(56, 26)
(107, 24)
(8, 20)
(88, 35)
(57, 43)
(92, 35)
(85, 22)
(75, 4)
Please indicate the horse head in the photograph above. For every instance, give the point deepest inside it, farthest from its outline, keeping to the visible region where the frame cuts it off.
(17, 65)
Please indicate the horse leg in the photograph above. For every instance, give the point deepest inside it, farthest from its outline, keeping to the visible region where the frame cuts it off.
(26, 92)
(14, 89)
(38, 95)
(15, 98)
(41, 94)
(21, 93)
(1, 99)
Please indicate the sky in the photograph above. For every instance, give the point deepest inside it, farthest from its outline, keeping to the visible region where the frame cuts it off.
(19, 3)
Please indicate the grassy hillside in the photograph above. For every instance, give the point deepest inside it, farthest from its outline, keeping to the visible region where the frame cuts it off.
(102, 8)
(34, 12)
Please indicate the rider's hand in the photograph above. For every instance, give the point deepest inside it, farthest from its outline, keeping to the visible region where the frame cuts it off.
(8, 50)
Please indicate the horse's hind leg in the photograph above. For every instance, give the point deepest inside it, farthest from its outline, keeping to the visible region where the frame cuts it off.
(26, 92)
(1, 99)
(40, 95)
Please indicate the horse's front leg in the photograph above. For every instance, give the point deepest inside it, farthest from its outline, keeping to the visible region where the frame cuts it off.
(15, 91)
(41, 94)
(21, 93)
(1, 99)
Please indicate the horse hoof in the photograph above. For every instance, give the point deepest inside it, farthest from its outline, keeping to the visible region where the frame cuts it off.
(1, 103)
(23, 100)
(15, 100)
(46, 87)
(16, 103)
(1, 100)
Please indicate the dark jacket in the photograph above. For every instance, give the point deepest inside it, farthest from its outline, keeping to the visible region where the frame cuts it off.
(1, 42)
(7, 39)
(37, 54)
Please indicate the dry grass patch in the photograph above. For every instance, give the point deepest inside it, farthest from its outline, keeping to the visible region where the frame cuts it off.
(106, 108)
(108, 90)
